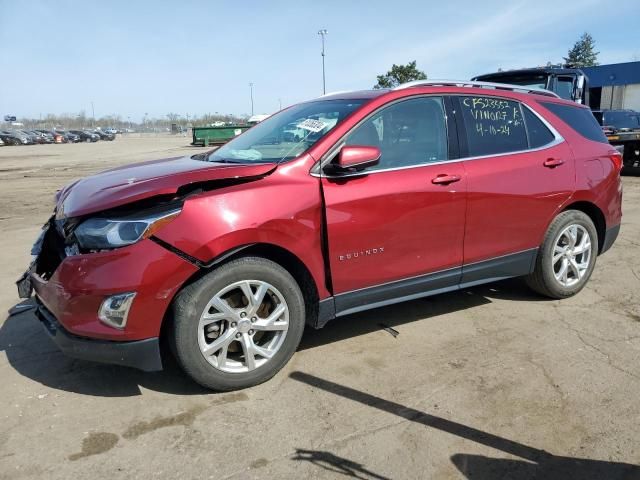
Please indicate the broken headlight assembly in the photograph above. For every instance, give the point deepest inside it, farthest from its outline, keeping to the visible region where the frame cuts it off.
(103, 233)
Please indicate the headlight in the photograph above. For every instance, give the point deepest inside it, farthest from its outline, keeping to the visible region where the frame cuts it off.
(104, 233)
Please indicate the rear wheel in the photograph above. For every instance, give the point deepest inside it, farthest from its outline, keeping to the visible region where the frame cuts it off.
(238, 325)
(567, 256)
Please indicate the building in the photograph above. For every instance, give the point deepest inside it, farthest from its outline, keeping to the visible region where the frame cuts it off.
(614, 86)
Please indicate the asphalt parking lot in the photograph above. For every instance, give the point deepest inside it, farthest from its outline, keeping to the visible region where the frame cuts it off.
(491, 382)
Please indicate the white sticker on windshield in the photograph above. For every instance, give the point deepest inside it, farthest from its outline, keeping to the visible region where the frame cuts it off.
(312, 125)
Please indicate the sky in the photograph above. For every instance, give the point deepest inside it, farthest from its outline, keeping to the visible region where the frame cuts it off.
(132, 58)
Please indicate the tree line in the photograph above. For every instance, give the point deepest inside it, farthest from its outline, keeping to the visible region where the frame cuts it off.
(82, 120)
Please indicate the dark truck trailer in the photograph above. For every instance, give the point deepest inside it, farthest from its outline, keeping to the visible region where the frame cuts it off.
(567, 83)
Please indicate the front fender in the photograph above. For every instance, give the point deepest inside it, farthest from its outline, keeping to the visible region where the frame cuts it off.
(274, 210)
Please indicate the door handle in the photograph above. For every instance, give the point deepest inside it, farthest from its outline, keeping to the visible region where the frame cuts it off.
(553, 162)
(444, 179)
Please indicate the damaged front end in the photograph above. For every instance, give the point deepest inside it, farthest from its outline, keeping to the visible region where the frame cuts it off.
(123, 206)
(101, 282)
(48, 252)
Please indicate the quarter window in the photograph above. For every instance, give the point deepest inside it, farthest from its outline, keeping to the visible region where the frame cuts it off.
(539, 134)
(411, 132)
(493, 126)
(579, 118)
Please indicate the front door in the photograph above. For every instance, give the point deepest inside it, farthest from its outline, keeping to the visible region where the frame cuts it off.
(394, 223)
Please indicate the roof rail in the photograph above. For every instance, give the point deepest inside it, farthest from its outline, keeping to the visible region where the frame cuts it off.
(473, 83)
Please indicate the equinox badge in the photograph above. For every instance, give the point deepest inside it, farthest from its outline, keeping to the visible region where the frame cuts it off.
(361, 253)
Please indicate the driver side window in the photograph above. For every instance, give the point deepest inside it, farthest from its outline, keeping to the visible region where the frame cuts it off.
(410, 132)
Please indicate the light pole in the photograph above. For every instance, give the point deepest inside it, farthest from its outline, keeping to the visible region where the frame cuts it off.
(251, 90)
(93, 115)
(322, 33)
(280, 103)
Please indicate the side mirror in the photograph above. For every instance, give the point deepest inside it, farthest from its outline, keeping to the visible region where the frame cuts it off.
(357, 157)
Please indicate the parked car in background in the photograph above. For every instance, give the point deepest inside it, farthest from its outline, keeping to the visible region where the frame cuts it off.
(10, 139)
(34, 138)
(18, 138)
(387, 195)
(70, 137)
(619, 120)
(111, 130)
(43, 137)
(86, 135)
(105, 136)
(45, 132)
(1, 142)
(55, 136)
(622, 128)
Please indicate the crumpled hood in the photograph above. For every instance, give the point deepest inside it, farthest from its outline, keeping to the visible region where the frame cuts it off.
(131, 183)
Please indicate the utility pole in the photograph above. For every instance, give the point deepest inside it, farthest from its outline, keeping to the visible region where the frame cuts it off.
(93, 115)
(322, 33)
(251, 90)
(280, 103)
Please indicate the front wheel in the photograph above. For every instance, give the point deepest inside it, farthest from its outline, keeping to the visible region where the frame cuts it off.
(567, 256)
(238, 325)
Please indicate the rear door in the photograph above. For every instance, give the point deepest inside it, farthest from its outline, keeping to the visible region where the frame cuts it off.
(400, 219)
(519, 172)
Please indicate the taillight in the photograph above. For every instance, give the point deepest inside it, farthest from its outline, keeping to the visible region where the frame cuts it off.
(616, 158)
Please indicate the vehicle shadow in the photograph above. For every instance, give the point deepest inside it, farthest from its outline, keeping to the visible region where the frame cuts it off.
(429, 307)
(335, 464)
(31, 353)
(536, 463)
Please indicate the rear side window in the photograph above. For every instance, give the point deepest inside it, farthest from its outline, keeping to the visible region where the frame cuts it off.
(580, 119)
(493, 125)
(539, 134)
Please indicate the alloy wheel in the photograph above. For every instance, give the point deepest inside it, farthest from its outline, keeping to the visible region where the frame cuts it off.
(243, 326)
(571, 255)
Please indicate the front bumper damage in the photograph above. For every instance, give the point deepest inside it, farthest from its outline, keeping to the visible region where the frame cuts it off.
(70, 288)
(141, 354)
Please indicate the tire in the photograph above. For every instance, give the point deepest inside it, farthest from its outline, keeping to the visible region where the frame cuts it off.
(547, 278)
(229, 368)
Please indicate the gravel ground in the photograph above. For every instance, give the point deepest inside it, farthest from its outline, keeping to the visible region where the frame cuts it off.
(491, 382)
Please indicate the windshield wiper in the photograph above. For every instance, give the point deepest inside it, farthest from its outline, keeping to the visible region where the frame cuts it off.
(199, 156)
(205, 158)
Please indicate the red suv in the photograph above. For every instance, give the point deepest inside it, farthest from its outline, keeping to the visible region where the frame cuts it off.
(330, 207)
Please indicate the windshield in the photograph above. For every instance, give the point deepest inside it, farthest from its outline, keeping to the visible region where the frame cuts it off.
(532, 80)
(629, 120)
(287, 134)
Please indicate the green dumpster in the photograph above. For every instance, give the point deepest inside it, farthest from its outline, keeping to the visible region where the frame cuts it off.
(205, 136)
